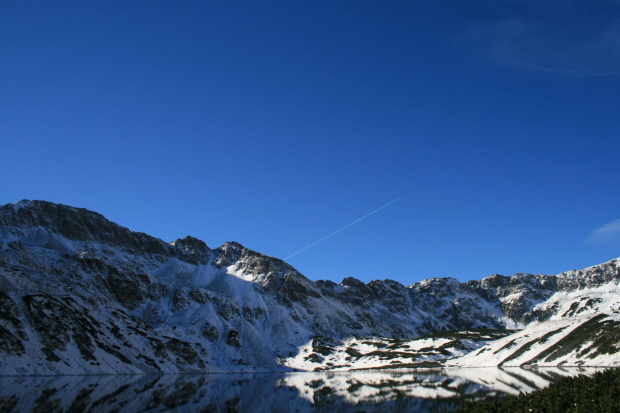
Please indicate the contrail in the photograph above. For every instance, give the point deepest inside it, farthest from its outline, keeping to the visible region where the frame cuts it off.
(343, 228)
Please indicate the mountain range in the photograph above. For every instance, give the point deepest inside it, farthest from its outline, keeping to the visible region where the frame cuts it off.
(80, 294)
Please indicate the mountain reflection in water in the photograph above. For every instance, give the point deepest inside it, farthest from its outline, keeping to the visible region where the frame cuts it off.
(360, 391)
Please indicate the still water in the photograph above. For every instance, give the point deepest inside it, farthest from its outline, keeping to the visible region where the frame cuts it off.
(369, 391)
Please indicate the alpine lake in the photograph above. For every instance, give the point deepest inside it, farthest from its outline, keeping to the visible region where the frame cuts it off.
(359, 391)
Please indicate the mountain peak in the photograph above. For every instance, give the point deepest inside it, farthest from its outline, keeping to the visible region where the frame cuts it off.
(40, 220)
(192, 250)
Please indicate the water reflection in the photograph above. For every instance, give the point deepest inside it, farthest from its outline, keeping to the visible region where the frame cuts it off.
(369, 391)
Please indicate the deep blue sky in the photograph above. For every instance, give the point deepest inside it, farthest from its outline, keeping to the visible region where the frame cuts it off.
(275, 124)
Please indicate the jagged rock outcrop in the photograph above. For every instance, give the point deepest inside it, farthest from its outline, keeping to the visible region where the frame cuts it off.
(517, 294)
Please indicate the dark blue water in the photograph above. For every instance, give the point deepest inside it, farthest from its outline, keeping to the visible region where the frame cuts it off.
(403, 391)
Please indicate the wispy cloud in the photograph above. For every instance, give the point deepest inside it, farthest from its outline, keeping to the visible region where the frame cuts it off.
(606, 233)
(533, 45)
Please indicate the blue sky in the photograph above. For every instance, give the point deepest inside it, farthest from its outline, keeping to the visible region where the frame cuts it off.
(275, 124)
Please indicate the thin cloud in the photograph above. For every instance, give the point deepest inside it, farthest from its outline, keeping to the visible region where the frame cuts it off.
(533, 46)
(606, 233)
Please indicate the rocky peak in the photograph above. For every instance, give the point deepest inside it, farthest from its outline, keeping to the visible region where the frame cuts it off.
(490, 288)
(354, 292)
(353, 283)
(251, 262)
(491, 283)
(438, 286)
(521, 284)
(229, 253)
(392, 294)
(388, 289)
(34, 221)
(192, 250)
(73, 223)
(590, 277)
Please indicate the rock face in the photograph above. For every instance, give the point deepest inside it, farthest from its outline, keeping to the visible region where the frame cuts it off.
(81, 294)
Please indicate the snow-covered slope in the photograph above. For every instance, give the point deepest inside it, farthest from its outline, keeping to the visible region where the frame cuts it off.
(389, 353)
(583, 328)
(81, 294)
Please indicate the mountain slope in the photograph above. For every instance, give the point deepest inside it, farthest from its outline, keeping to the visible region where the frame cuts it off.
(577, 328)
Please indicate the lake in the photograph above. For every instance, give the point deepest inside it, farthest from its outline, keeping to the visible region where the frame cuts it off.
(360, 391)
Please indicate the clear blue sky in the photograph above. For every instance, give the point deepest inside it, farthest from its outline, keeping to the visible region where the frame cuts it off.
(275, 124)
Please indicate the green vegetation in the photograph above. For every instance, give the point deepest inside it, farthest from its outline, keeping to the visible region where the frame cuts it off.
(598, 393)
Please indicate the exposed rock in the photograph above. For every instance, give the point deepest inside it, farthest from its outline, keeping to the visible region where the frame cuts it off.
(129, 291)
(234, 339)
(210, 332)
(323, 345)
(9, 343)
(192, 250)
(48, 317)
(179, 300)
(228, 310)
(182, 350)
(200, 295)
(9, 316)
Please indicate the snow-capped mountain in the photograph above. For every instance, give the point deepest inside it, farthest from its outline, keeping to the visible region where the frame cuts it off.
(81, 294)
